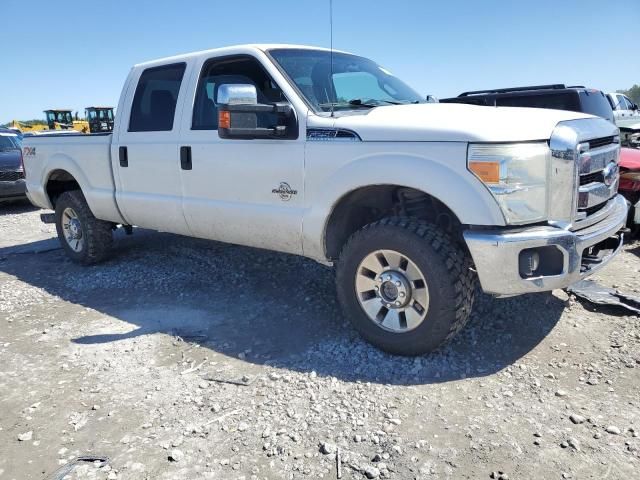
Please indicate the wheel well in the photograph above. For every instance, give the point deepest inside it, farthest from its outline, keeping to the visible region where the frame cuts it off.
(369, 204)
(60, 181)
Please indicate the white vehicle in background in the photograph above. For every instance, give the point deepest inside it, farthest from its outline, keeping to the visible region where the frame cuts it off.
(627, 117)
(623, 107)
(328, 155)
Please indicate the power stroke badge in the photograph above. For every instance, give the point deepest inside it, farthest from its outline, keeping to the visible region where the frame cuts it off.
(284, 191)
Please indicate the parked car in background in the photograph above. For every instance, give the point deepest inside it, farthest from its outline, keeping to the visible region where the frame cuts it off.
(623, 107)
(12, 185)
(556, 96)
(630, 184)
(627, 117)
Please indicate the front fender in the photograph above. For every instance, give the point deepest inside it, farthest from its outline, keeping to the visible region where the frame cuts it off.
(438, 169)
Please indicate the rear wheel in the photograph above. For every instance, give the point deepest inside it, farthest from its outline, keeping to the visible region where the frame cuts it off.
(84, 238)
(406, 286)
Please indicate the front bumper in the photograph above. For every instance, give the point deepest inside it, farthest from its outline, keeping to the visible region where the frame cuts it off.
(14, 189)
(497, 254)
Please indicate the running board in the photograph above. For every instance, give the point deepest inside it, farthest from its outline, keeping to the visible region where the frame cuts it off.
(48, 217)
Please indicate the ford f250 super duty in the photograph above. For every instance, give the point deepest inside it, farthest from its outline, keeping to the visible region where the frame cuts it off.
(330, 156)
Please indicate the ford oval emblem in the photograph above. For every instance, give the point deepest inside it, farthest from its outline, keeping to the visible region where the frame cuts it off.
(610, 173)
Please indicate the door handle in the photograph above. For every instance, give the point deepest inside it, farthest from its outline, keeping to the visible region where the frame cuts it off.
(185, 158)
(124, 156)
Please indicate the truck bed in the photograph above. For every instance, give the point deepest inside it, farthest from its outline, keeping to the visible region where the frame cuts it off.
(86, 158)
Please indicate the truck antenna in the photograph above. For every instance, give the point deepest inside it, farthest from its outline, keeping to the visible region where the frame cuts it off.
(331, 49)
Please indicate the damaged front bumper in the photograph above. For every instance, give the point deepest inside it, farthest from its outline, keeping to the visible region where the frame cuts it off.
(538, 259)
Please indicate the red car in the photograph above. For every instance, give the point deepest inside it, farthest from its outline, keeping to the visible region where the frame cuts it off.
(630, 183)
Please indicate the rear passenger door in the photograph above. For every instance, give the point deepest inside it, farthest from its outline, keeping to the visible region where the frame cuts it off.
(145, 154)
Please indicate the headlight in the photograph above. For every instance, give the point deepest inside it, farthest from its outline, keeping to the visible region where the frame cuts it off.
(516, 175)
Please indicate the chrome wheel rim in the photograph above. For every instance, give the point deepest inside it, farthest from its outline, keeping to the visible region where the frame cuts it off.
(392, 291)
(72, 230)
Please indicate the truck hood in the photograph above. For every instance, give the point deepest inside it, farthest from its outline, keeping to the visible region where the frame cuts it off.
(450, 122)
(9, 159)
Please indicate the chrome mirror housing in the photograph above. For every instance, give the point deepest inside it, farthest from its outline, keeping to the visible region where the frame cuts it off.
(237, 94)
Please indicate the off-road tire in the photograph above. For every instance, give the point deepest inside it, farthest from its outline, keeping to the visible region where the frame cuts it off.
(97, 234)
(449, 277)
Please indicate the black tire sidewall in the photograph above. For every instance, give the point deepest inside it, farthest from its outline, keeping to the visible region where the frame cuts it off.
(441, 312)
(67, 201)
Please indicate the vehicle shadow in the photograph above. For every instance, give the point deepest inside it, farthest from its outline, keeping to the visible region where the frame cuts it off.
(270, 308)
(13, 207)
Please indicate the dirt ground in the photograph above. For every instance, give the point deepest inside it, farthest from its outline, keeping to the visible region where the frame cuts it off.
(185, 359)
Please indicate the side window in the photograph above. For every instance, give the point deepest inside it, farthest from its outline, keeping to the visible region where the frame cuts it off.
(241, 69)
(629, 102)
(622, 103)
(154, 103)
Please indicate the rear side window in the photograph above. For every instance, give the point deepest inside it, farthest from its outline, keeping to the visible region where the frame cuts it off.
(154, 103)
(596, 103)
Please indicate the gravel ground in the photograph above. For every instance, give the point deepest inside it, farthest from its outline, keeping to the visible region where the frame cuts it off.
(185, 359)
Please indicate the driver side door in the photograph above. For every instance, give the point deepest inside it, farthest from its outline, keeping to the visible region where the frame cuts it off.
(240, 191)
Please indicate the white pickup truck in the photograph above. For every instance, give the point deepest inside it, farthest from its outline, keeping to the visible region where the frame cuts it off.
(330, 156)
(627, 118)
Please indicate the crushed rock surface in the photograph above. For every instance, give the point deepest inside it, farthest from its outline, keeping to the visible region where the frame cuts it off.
(181, 359)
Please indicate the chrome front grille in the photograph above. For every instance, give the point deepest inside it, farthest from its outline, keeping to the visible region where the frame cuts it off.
(598, 173)
(601, 142)
(10, 176)
(584, 172)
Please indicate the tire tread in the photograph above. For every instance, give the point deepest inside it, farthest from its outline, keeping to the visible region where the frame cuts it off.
(455, 259)
(99, 237)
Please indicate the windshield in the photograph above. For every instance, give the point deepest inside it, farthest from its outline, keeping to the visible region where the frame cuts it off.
(353, 82)
(9, 143)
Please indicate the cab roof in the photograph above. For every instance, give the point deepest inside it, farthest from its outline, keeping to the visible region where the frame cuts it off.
(232, 50)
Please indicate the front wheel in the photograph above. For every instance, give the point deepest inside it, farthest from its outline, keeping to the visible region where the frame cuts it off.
(84, 238)
(406, 286)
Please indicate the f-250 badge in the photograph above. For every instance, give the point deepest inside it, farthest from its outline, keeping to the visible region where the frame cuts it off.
(284, 191)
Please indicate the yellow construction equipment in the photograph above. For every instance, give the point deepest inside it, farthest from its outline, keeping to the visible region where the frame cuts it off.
(32, 127)
(61, 119)
(56, 119)
(100, 119)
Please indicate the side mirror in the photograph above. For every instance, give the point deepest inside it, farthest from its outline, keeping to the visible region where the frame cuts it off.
(237, 94)
(239, 112)
(431, 99)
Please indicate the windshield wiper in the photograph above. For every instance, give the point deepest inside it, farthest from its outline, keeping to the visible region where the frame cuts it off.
(346, 104)
(372, 103)
(359, 103)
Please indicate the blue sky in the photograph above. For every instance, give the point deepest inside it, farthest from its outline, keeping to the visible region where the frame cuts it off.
(75, 53)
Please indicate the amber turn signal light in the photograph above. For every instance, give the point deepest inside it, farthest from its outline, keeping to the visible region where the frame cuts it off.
(224, 119)
(488, 172)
